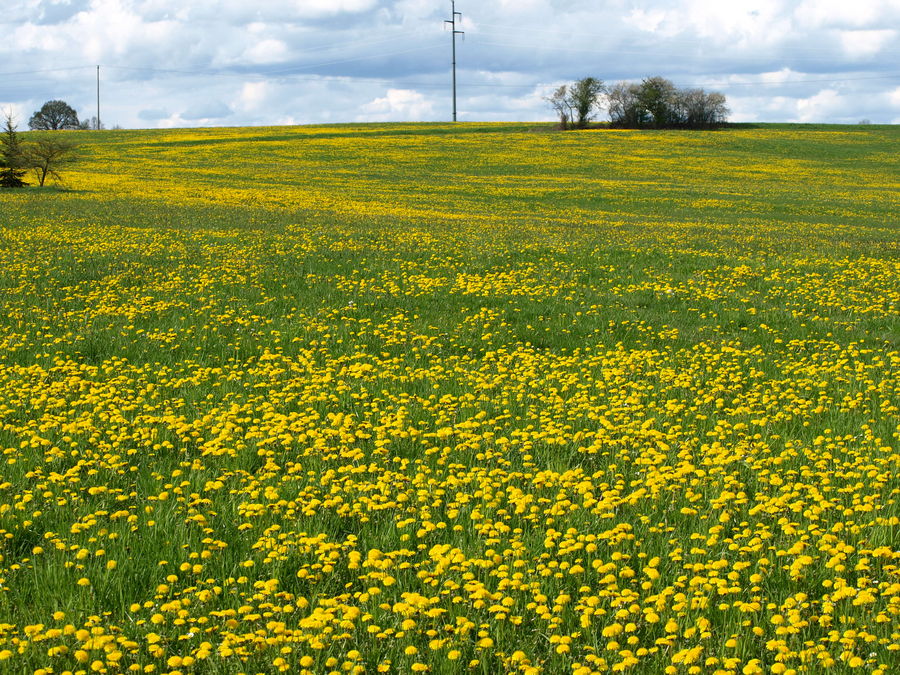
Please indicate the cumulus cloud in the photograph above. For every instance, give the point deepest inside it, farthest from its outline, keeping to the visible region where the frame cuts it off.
(286, 61)
(862, 43)
(267, 51)
(402, 104)
(253, 95)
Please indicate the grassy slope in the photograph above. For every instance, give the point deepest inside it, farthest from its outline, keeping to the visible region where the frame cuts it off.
(669, 205)
(735, 288)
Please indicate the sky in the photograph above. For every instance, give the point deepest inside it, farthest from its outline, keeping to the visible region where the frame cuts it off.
(189, 63)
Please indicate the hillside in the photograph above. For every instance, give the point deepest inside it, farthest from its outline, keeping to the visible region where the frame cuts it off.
(429, 398)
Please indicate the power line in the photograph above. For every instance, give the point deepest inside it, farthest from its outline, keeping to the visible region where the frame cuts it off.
(399, 80)
(224, 71)
(313, 78)
(45, 70)
(277, 71)
(639, 52)
(295, 72)
(502, 29)
(777, 83)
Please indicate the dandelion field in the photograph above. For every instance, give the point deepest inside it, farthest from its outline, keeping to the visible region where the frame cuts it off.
(427, 398)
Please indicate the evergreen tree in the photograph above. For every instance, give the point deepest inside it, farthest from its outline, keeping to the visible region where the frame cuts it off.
(12, 157)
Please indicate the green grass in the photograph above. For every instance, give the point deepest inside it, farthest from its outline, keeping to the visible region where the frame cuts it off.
(487, 336)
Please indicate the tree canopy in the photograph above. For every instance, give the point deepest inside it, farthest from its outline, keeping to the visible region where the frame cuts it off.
(42, 154)
(657, 102)
(45, 156)
(577, 103)
(53, 116)
(654, 102)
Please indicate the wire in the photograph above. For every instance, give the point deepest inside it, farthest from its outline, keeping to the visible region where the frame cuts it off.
(506, 30)
(294, 72)
(780, 82)
(46, 70)
(274, 72)
(643, 52)
(358, 58)
(399, 81)
(291, 73)
(220, 71)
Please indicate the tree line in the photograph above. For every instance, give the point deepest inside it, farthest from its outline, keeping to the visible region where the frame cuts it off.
(655, 103)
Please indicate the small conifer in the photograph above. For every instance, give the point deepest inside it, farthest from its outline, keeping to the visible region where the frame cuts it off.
(12, 157)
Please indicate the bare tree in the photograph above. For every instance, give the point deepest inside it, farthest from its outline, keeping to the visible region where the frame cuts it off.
(86, 125)
(623, 103)
(46, 156)
(717, 110)
(53, 116)
(699, 109)
(559, 101)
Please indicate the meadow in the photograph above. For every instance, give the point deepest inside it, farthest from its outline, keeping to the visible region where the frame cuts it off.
(428, 398)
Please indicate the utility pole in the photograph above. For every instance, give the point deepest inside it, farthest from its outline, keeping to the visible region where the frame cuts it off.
(98, 97)
(453, 34)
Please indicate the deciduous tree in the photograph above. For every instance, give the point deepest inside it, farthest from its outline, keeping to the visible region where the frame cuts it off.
(658, 103)
(559, 101)
(623, 103)
(659, 99)
(585, 98)
(698, 109)
(91, 124)
(46, 156)
(577, 103)
(53, 116)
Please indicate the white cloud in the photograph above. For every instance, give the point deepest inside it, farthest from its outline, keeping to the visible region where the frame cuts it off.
(819, 106)
(894, 98)
(335, 60)
(815, 14)
(779, 76)
(253, 96)
(649, 21)
(398, 104)
(315, 8)
(861, 43)
(16, 110)
(35, 38)
(266, 51)
(744, 22)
